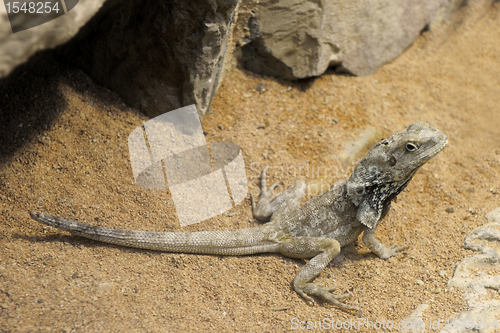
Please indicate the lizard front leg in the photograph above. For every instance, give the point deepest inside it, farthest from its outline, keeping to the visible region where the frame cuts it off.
(270, 205)
(377, 247)
(323, 250)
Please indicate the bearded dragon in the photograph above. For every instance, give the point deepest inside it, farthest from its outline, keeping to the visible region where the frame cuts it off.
(317, 230)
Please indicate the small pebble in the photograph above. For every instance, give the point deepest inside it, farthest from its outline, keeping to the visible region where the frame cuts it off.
(436, 290)
(261, 88)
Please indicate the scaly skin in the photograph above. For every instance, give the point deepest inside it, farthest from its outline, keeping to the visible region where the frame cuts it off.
(317, 230)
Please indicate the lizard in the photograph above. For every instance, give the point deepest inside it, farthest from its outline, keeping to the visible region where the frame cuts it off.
(317, 230)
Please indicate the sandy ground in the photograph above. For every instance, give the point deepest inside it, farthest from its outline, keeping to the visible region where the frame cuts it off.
(64, 152)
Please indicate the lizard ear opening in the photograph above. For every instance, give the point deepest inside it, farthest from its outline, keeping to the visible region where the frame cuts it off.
(367, 215)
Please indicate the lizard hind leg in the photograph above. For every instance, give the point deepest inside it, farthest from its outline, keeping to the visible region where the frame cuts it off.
(323, 250)
(270, 205)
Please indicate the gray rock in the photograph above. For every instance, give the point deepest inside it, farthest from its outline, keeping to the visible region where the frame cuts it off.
(415, 321)
(297, 39)
(17, 48)
(494, 215)
(472, 276)
(158, 55)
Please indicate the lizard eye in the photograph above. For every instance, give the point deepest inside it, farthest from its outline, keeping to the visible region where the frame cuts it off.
(410, 146)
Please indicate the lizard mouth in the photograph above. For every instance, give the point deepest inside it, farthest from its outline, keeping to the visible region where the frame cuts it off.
(439, 148)
(442, 143)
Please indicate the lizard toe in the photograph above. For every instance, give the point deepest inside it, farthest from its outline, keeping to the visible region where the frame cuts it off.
(311, 289)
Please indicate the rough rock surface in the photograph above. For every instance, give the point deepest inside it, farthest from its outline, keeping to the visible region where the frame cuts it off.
(471, 276)
(158, 56)
(16, 48)
(493, 216)
(302, 38)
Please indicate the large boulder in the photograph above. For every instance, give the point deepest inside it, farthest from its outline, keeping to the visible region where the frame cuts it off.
(158, 55)
(33, 34)
(297, 39)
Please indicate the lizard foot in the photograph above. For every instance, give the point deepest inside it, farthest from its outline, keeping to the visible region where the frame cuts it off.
(269, 203)
(391, 251)
(262, 209)
(310, 289)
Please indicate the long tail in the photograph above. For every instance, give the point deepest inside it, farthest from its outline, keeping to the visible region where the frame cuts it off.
(224, 242)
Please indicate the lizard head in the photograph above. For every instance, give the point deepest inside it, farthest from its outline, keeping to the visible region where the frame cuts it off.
(386, 170)
(397, 158)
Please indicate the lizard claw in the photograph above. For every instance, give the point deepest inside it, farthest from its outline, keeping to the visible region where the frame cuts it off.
(400, 248)
(392, 251)
(310, 289)
(270, 203)
(263, 208)
(343, 296)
